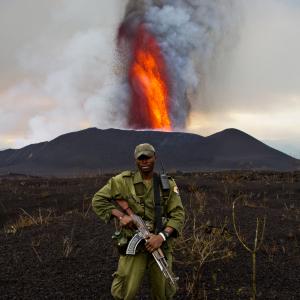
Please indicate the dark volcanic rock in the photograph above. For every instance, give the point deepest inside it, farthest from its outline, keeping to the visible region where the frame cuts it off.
(94, 150)
(69, 253)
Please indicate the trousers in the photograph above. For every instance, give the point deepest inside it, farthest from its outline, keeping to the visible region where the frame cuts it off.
(130, 273)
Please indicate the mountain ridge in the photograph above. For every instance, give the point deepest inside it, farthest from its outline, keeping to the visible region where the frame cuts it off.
(95, 150)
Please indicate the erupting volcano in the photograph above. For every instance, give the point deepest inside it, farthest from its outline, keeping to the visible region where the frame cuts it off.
(167, 50)
(149, 85)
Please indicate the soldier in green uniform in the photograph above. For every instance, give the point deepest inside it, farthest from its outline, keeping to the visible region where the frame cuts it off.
(137, 189)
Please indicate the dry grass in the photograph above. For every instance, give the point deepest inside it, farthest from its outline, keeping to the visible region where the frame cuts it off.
(27, 220)
(68, 245)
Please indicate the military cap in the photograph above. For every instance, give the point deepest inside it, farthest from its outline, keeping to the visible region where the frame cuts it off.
(144, 149)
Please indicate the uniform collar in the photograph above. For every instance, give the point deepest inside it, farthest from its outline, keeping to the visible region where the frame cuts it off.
(137, 177)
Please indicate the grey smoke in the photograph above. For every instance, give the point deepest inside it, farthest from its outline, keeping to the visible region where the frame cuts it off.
(191, 34)
(57, 71)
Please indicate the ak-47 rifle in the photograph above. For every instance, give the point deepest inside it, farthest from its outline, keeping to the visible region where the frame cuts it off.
(143, 233)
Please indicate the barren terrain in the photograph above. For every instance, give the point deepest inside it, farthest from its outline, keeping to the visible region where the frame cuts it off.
(53, 246)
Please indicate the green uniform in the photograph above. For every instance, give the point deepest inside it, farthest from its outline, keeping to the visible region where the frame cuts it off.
(139, 194)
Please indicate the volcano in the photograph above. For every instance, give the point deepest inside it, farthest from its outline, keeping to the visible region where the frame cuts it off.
(93, 151)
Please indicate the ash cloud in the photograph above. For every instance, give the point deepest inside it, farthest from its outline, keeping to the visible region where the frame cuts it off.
(190, 34)
(60, 75)
(258, 91)
(264, 66)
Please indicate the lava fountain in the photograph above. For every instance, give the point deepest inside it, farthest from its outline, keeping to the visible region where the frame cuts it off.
(149, 84)
(148, 81)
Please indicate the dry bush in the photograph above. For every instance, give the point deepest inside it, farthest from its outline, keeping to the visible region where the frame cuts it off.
(196, 201)
(258, 240)
(198, 247)
(200, 244)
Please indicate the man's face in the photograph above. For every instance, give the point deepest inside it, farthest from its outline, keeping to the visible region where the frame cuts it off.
(145, 163)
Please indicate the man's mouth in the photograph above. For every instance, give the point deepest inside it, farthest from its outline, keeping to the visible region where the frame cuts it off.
(145, 167)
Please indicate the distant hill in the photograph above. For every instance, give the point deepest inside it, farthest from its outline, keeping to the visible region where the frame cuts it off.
(94, 150)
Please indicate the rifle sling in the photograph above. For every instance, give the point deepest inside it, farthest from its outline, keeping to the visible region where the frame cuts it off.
(157, 200)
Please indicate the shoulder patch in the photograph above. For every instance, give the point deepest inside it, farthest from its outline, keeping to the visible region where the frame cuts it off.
(126, 174)
(176, 190)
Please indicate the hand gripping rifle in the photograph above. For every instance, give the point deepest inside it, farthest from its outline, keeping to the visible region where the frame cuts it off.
(142, 234)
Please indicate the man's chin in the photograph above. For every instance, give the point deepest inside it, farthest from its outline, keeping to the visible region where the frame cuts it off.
(146, 170)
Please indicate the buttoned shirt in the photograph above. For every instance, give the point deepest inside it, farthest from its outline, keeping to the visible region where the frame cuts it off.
(130, 186)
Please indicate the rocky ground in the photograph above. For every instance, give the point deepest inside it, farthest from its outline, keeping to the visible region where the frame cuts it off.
(52, 245)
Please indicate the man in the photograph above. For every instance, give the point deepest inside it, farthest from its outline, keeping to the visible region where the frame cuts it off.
(137, 189)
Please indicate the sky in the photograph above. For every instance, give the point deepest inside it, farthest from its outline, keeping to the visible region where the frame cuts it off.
(58, 73)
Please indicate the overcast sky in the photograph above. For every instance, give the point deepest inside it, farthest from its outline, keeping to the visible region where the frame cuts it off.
(57, 72)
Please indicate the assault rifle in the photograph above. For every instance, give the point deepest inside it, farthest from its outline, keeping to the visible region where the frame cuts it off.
(142, 234)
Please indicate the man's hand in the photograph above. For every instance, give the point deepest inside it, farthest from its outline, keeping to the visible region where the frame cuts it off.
(154, 242)
(126, 221)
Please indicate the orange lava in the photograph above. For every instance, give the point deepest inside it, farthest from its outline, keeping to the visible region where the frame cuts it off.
(149, 82)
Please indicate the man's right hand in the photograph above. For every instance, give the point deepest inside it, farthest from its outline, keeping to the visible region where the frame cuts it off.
(126, 221)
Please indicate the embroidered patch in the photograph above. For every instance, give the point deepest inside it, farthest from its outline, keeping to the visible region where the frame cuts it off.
(176, 190)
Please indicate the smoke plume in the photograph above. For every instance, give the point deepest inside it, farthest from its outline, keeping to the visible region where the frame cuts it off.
(191, 34)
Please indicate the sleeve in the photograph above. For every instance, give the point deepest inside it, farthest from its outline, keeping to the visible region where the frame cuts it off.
(175, 210)
(102, 200)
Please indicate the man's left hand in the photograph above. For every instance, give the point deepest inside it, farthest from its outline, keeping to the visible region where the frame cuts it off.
(154, 242)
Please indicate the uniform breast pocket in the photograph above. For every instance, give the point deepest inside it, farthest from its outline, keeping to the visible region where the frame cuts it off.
(136, 205)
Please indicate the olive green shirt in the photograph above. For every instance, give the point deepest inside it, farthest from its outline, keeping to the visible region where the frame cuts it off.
(140, 196)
